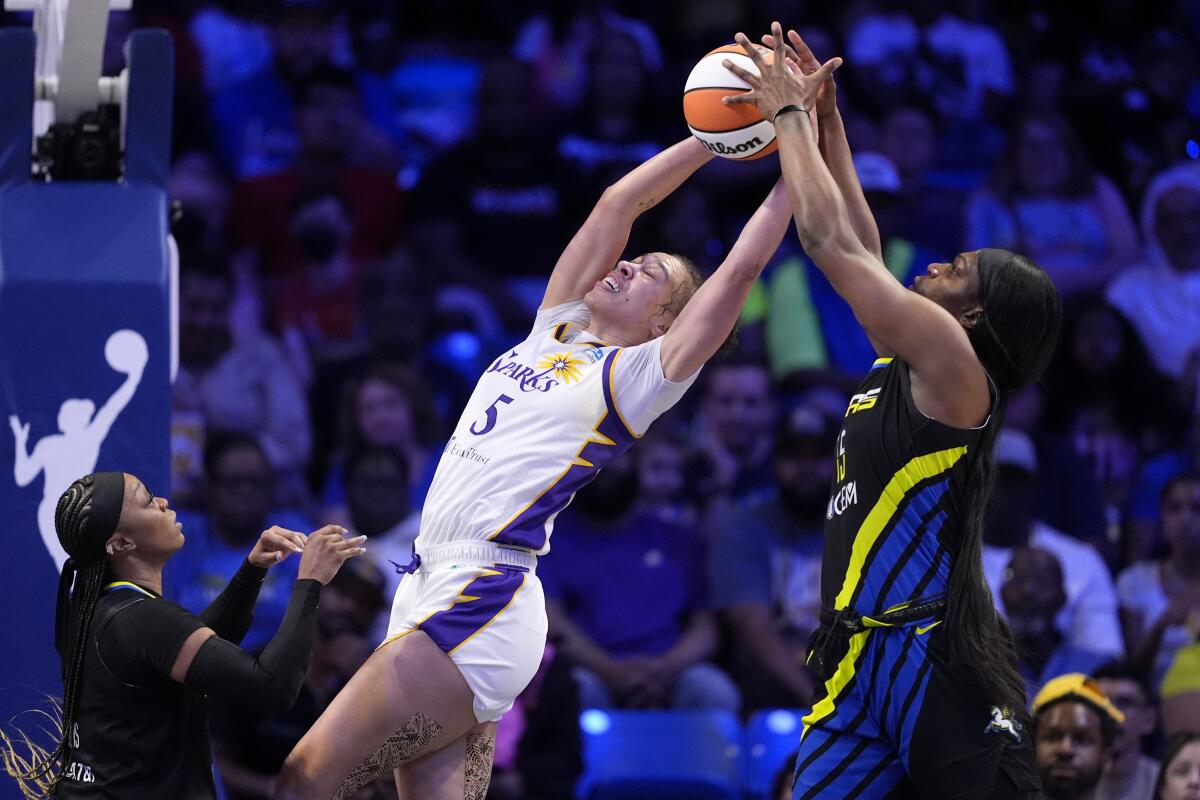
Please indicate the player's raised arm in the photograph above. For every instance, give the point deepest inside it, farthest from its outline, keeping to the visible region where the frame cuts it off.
(835, 148)
(901, 321)
(707, 319)
(599, 242)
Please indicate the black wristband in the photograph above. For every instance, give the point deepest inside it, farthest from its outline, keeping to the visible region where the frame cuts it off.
(787, 108)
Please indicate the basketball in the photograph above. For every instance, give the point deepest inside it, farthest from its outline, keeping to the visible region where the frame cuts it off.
(125, 351)
(738, 131)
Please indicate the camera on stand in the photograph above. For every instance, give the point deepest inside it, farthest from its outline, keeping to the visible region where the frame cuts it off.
(88, 149)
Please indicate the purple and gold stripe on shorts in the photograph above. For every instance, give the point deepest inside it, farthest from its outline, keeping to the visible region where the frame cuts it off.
(477, 604)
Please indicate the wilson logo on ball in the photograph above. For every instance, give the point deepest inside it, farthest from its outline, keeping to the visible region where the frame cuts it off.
(738, 131)
(725, 150)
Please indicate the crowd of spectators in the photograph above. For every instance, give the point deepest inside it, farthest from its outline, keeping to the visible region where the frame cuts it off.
(371, 195)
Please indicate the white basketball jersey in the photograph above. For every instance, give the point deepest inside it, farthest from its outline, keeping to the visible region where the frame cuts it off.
(542, 421)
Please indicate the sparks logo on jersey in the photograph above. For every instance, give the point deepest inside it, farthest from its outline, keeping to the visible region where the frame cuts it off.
(564, 365)
(530, 380)
(862, 402)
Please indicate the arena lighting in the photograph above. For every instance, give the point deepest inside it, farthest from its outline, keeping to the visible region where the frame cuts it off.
(594, 722)
(78, 116)
(782, 722)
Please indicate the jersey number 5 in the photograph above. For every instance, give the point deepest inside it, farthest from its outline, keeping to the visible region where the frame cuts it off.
(490, 421)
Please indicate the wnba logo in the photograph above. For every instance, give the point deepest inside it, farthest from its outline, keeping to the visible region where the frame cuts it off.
(73, 451)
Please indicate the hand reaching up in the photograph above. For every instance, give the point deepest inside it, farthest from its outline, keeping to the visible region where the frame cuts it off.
(800, 56)
(777, 85)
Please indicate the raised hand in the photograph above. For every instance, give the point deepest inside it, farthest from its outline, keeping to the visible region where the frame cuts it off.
(275, 545)
(325, 551)
(800, 55)
(20, 432)
(776, 86)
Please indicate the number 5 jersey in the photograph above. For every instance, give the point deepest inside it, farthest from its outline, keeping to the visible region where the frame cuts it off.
(543, 420)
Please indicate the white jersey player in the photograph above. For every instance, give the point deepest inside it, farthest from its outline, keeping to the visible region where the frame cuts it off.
(612, 348)
(544, 418)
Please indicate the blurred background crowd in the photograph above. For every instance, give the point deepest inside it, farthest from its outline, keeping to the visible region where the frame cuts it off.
(371, 195)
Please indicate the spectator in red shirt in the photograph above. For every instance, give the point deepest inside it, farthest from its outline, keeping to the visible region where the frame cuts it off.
(264, 221)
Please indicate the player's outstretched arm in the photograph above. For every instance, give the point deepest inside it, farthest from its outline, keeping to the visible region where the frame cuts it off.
(901, 321)
(705, 322)
(835, 148)
(599, 243)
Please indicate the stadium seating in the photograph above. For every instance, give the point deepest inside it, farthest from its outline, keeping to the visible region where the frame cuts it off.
(771, 740)
(661, 755)
(698, 755)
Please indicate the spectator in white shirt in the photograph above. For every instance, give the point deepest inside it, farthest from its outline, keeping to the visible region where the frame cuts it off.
(1089, 618)
(229, 382)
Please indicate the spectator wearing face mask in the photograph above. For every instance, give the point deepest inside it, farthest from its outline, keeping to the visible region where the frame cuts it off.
(308, 228)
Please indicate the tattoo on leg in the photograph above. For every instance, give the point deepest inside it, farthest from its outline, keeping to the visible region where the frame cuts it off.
(477, 768)
(402, 746)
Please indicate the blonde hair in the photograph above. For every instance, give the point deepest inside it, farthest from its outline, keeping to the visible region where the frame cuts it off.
(35, 768)
(689, 284)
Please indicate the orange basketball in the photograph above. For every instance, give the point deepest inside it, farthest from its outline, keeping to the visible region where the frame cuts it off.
(738, 132)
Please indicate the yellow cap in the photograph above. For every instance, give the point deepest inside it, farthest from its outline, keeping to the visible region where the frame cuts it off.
(1077, 685)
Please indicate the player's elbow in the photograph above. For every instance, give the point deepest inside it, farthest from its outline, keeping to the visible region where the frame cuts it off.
(277, 693)
(278, 697)
(614, 206)
(741, 273)
(612, 199)
(833, 251)
(812, 240)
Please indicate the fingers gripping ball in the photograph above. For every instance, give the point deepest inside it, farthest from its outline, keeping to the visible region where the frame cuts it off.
(737, 131)
(125, 351)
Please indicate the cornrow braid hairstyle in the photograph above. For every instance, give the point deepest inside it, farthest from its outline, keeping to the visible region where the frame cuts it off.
(77, 521)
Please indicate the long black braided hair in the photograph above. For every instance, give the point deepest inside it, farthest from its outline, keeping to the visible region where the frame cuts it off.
(1014, 340)
(86, 516)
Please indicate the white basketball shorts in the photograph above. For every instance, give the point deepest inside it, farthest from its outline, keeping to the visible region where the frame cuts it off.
(483, 605)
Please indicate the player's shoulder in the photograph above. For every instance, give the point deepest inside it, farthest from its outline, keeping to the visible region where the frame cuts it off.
(572, 312)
